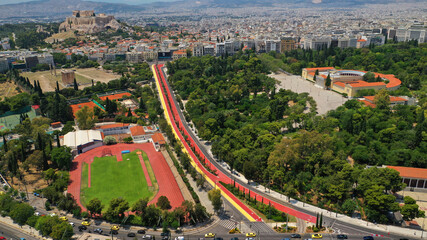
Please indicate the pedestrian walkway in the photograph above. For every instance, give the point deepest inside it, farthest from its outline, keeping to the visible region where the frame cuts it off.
(144, 168)
(228, 224)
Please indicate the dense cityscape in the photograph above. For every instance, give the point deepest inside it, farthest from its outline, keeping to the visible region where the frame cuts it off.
(238, 119)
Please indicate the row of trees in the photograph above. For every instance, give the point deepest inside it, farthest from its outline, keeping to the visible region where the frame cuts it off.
(22, 213)
(155, 215)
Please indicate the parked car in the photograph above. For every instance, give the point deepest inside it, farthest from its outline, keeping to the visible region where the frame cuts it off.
(131, 234)
(141, 231)
(81, 228)
(368, 238)
(295, 235)
(285, 239)
(147, 237)
(98, 230)
(251, 234)
(342, 236)
(235, 238)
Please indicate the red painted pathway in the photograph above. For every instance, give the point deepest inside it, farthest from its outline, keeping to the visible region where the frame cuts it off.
(173, 113)
(167, 184)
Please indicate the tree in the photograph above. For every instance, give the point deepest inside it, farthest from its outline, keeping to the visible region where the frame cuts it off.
(109, 140)
(200, 181)
(94, 206)
(129, 114)
(328, 81)
(349, 206)
(116, 209)
(163, 203)
(35, 159)
(142, 105)
(76, 86)
(215, 197)
(140, 206)
(369, 77)
(86, 118)
(382, 99)
(411, 210)
(21, 212)
(62, 231)
(62, 157)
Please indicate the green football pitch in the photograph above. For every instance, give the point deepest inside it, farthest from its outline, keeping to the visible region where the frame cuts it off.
(112, 179)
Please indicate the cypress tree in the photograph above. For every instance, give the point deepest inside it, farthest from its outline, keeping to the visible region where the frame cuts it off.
(45, 163)
(40, 142)
(93, 84)
(57, 140)
(142, 105)
(76, 87)
(57, 86)
(129, 113)
(321, 220)
(5, 144)
(328, 81)
(317, 220)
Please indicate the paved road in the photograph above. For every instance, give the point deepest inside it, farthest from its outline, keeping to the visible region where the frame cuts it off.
(338, 225)
(13, 233)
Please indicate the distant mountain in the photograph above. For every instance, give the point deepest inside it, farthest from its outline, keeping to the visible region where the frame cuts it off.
(61, 8)
(265, 3)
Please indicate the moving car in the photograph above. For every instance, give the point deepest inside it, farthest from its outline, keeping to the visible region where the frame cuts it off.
(98, 230)
(235, 238)
(147, 237)
(285, 239)
(72, 224)
(131, 234)
(295, 235)
(250, 234)
(180, 238)
(317, 235)
(209, 235)
(368, 238)
(63, 218)
(342, 236)
(86, 223)
(141, 231)
(81, 228)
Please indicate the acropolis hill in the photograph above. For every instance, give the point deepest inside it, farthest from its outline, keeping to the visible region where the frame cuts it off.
(88, 22)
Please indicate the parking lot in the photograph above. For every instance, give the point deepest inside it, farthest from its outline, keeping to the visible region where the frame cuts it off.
(326, 100)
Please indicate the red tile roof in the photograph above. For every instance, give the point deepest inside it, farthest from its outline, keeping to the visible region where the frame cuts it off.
(320, 68)
(115, 96)
(158, 138)
(367, 103)
(341, 84)
(392, 99)
(409, 172)
(356, 84)
(114, 125)
(137, 131)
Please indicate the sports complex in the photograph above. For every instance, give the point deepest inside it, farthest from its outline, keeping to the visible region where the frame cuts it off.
(130, 171)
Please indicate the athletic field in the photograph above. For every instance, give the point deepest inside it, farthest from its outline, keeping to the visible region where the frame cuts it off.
(110, 177)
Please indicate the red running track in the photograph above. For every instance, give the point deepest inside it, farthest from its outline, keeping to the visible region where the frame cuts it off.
(167, 184)
(214, 178)
(221, 176)
(144, 168)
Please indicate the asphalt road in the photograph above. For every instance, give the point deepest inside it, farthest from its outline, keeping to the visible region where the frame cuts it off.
(12, 233)
(338, 225)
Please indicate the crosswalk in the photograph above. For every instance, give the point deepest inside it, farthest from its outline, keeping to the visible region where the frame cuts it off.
(228, 224)
(261, 227)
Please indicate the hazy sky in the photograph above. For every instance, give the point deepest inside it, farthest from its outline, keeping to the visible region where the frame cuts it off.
(112, 1)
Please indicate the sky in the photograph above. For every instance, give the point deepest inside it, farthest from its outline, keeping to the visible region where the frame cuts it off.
(112, 1)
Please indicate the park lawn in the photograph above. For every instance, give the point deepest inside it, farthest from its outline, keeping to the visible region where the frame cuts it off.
(111, 179)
